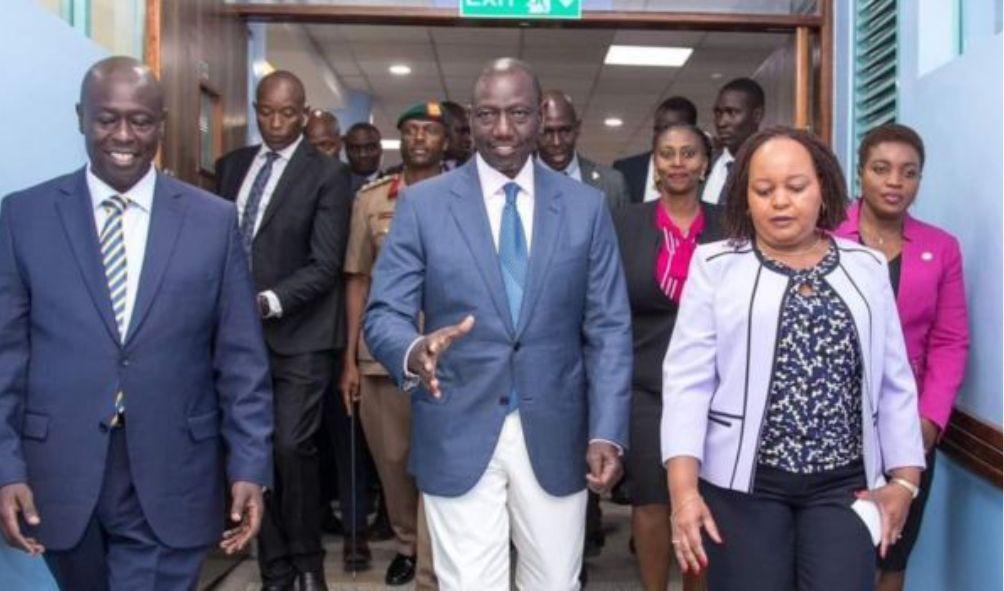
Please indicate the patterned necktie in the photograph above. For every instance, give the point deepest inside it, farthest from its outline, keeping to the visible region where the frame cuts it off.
(254, 200)
(113, 255)
(513, 257)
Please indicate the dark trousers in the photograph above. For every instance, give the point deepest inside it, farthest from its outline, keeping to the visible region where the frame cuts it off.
(290, 538)
(346, 433)
(119, 549)
(795, 531)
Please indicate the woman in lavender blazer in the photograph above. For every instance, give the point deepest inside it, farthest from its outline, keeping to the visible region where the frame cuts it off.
(925, 267)
(787, 392)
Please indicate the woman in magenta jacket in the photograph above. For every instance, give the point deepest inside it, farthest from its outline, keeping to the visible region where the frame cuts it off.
(925, 268)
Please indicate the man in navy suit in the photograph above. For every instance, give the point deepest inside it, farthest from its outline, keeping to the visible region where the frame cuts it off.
(520, 384)
(133, 371)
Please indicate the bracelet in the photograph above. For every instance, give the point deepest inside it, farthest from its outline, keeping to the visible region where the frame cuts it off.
(913, 488)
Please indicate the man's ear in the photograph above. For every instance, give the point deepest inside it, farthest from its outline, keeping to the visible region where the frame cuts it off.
(758, 115)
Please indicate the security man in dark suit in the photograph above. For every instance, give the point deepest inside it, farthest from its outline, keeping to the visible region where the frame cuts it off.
(638, 170)
(293, 205)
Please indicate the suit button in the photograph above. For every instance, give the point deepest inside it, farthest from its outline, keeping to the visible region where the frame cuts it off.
(124, 362)
(504, 401)
(516, 346)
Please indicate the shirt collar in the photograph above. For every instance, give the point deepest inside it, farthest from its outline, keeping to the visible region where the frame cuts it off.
(572, 169)
(492, 180)
(284, 154)
(140, 194)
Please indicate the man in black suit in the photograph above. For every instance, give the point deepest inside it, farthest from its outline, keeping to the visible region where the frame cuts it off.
(738, 112)
(638, 170)
(293, 206)
(364, 152)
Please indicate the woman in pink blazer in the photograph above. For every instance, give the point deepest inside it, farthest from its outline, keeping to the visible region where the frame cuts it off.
(925, 267)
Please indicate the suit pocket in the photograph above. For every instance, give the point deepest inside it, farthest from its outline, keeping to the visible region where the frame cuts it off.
(35, 426)
(204, 426)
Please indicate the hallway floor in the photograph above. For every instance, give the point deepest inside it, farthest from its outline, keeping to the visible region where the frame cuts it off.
(613, 570)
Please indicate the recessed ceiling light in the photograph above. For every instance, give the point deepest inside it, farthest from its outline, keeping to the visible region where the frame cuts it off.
(392, 145)
(716, 75)
(399, 70)
(644, 55)
(613, 122)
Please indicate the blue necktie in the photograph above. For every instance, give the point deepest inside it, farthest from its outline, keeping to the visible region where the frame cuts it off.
(513, 258)
(254, 200)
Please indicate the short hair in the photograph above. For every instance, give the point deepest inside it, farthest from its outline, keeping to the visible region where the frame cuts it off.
(453, 110)
(890, 132)
(506, 65)
(362, 126)
(748, 86)
(680, 104)
(707, 148)
(832, 187)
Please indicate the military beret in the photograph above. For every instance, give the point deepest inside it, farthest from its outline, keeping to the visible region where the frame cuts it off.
(430, 111)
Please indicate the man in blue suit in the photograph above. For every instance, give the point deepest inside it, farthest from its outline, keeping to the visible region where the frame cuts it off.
(520, 385)
(133, 371)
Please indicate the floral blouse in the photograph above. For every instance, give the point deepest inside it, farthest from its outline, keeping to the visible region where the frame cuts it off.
(813, 421)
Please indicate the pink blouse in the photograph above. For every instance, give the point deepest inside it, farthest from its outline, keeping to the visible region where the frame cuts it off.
(677, 248)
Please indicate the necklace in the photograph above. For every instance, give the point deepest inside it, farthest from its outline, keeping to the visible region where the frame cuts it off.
(792, 255)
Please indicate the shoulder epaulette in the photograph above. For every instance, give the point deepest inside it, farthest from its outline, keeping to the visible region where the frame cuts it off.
(380, 181)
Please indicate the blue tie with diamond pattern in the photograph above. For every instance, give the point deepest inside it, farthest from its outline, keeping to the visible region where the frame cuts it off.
(513, 258)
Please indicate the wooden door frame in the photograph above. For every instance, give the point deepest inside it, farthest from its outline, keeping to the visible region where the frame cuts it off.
(803, 26)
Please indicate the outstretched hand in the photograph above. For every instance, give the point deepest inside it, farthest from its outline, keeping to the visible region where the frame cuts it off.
(424, 356)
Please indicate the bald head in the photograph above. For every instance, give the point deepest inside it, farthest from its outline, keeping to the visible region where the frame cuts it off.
(559, 130)
(324, 133)
(281, 109)
(121, 115)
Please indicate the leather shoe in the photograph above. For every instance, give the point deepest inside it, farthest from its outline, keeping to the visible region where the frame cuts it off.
(401, 570)
(311, 582)
(356, 557)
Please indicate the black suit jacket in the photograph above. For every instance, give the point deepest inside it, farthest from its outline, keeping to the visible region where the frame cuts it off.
(300, 246)
(653, 315)
(635, 171)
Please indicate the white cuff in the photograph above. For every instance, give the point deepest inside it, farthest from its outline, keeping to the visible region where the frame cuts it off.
(620, 450)
(411, 380)
(274, 307)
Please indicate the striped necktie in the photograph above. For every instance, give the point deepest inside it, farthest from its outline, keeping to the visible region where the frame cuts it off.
(250, 216)
(113, 254)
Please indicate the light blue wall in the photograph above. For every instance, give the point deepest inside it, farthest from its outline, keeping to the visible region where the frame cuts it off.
(957, 109)
(44, 60)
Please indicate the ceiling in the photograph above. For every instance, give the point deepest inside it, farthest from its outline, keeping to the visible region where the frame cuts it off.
(445, 62)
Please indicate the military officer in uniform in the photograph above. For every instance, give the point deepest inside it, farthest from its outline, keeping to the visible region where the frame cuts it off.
(385, 411)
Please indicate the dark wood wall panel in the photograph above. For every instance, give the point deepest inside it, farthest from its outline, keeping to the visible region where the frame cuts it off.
(199, 44)
(976, 445)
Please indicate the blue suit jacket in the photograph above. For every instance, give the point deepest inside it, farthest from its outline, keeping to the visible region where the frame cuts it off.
(193, 366)
(569, 356)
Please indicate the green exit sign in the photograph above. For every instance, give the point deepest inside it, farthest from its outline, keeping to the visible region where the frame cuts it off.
(522, 9)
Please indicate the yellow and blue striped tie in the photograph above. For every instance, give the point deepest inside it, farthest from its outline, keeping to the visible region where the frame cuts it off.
(113, 254)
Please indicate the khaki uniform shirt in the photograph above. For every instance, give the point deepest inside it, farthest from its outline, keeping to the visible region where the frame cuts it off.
(371, 216)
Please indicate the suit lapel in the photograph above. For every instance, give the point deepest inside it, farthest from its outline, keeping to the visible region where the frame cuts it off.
(293, 172)
(546, 226)
(468, 209)
(77, 215)
(166, 217)
(242, 161)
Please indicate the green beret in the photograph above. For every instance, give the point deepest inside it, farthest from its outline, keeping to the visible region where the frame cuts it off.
(430, 111)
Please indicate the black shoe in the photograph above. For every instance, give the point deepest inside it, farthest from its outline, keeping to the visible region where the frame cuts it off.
(381, 530)
(311, 582)
(277, 587)
(356, 557)
(401, 570)
(594, 544)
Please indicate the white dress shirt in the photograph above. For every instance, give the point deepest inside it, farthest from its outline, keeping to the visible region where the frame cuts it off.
(135, 227)
(717, 177)
(651, 191)
(274, 305)
(573, 170)
(492, 189)
(273, 180)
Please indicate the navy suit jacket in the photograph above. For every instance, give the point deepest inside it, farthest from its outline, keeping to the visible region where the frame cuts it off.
(635, 171)
(568, 356)
(193, 364)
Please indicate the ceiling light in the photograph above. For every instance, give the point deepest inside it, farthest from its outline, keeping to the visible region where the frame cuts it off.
(393, 145)
(399, 70)
(642, 55)
(716, 75)
(613, 122)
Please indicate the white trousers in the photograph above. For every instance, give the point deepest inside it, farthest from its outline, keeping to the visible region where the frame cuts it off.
(470, 533)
